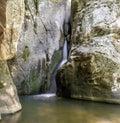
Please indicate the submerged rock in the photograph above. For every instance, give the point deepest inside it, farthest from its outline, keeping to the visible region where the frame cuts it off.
(93, 68)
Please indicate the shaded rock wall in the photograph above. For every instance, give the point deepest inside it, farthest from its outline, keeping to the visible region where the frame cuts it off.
(39, 47)
(11, 19)
(93, 69)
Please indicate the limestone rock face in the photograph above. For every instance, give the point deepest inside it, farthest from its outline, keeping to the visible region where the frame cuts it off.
(93, 68)
(11, 19)
(9, 102)
(39, 45)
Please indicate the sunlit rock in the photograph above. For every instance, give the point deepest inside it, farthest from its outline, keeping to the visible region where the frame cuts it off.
(93, 68)
(12, 15)
(11, 20)
(9, 102)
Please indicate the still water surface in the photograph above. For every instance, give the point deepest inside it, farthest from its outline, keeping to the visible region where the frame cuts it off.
(51, 109)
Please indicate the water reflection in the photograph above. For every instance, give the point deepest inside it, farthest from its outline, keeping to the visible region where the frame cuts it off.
(58, 110)
(13, 118)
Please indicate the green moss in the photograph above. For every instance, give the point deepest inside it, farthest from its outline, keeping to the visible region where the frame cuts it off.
(25, 53)
(1, 85)
(55, 59)
(55, 1)
(7, 71)
(36, 4)
(26, 5)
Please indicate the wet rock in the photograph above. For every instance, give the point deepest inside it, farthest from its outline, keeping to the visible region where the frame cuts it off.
(93, 68)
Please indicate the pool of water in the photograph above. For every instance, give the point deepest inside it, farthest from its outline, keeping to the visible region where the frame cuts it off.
(52, 109)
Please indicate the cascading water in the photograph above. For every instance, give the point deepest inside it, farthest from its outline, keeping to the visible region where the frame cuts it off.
(63, 61)
(67, 32)
(64, 54)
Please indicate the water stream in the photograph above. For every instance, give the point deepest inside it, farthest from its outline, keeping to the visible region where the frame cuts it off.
(64, 54)
(63, 61)
(51, 109)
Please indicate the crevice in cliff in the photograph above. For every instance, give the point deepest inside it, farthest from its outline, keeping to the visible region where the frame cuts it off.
(65, 49)
(65, 52)
(27, 8)
(36, 3)
(47, 31)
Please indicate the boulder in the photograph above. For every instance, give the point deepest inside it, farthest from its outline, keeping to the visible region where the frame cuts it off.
(93, 68)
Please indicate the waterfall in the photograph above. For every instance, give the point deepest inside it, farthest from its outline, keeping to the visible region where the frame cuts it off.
(63, 61)
(67, 32)
(64, 54)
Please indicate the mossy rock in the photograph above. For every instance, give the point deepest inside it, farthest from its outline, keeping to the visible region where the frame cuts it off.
(1, 85)
(55, 59)
(55, 1)
(25, 53)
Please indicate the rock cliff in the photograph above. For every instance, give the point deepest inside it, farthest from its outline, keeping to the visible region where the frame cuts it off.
(11, 19)
(93, 68)
(40, 44)
(92, 71)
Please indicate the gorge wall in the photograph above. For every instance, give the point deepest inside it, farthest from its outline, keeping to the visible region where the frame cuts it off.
(35, 37)
(40, 45)
(11, 20)
(93, 68)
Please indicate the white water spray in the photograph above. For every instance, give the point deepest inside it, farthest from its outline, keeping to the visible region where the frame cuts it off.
(49, 95)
